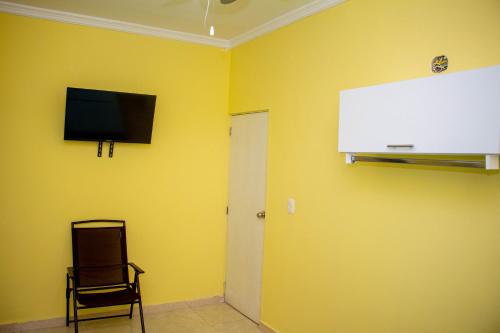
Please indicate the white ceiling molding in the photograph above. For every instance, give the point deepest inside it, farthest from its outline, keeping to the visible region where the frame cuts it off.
(56, 15)
(285, 19)
(67, 17)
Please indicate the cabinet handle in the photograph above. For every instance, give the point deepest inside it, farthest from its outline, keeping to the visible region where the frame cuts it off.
(401, 146)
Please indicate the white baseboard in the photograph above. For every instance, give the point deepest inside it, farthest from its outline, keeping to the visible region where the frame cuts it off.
(148, 309)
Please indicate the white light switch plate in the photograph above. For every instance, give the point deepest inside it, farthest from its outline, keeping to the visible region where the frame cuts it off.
(291, 206)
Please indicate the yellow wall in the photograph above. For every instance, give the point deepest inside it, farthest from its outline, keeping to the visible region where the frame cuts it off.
(373, 249)
(172, 193)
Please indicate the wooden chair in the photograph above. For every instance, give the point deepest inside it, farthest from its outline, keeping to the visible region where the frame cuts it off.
(99, 276)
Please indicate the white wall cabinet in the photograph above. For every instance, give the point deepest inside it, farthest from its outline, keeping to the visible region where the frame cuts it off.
(456, 113)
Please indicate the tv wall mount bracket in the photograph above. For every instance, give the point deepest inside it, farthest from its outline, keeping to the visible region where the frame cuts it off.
(111, 149)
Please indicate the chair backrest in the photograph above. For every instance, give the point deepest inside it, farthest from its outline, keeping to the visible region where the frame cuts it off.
(99, 253)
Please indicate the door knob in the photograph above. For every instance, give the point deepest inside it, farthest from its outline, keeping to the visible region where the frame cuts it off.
(261, 215)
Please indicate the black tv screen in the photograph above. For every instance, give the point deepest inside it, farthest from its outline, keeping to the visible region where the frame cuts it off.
(97, 115)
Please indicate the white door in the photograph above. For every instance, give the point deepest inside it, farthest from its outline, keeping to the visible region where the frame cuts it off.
(245, 231)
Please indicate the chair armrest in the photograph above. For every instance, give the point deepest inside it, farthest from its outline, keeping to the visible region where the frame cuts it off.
(137, 269)
(71, 272)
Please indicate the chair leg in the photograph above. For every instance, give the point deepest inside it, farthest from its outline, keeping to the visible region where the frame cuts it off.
(142, 316)
(75, 310)
(131, 310)
(138, 288)
(67, 300)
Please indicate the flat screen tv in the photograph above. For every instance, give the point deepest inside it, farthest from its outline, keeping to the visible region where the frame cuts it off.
(97, 115)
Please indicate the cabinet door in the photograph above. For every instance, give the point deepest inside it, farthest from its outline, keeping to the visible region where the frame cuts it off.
(372, 120)
(456, 113)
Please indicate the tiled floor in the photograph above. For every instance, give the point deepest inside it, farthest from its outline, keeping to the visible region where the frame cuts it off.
(214, 318)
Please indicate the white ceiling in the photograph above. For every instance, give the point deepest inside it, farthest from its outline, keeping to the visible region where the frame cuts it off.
(187, 16)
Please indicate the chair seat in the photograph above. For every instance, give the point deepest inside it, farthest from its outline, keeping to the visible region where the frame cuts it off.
(115, 297)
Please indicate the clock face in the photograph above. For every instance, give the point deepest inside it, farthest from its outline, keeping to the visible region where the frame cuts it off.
(439, 64)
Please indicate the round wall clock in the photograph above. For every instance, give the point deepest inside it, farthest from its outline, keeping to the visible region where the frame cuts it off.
(439, 64)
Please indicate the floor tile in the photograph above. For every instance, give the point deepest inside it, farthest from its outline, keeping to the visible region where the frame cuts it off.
(122, 325)
(214, 318)
(200, 330)
(240, 326)
(52, 330)
(176, 321)
(218, 313)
